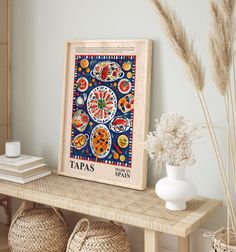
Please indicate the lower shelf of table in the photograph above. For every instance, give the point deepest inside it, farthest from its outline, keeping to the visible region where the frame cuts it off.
(3, 238)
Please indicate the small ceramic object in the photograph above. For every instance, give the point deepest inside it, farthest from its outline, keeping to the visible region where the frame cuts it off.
(13, 149)
(175, 189)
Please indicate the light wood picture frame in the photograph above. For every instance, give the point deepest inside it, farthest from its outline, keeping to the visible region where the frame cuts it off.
(105, 111)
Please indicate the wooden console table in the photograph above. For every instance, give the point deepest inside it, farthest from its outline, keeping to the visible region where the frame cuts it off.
(137, 208)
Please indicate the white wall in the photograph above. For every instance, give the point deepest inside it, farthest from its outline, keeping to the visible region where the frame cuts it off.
(39, 30)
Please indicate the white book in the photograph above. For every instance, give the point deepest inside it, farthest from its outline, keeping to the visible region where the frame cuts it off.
(25, 180)
(20, 163)
(28, 172)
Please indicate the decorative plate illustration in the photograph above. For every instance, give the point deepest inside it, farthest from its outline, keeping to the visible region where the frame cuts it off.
(124, 86)
(80, 120)
(82, 84)
(100, 141)
(80, 100)
(107, 71)
(126, 103)
(80, 141)
(123, 141)
(102, 104)
(120, 124)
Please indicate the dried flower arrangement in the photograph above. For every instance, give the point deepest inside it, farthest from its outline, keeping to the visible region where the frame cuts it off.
(222, 52)
(172, 140)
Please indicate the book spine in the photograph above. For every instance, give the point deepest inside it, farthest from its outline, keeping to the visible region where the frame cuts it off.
(11, 167)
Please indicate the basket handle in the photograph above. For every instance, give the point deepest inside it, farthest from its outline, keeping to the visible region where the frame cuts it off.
(24, 206)
(118, 224)
(30, 205)
(208, 234)
(211, 234)
(59, 214)
(77, 228)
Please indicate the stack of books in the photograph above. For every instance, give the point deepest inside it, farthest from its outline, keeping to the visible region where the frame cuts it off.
(23, 169)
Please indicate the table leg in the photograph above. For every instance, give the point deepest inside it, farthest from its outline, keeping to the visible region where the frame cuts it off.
(184, 244)
(150, 241)
(29, 204)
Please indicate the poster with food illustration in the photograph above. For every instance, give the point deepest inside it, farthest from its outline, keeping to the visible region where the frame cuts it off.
(106, 112)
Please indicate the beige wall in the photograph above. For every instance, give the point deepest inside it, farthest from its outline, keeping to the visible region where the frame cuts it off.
(39, 30)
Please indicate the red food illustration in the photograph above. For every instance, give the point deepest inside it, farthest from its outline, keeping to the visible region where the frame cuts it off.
(120, 124)
(80, 120)
(124, 86)
(117, 149)
(85, 119)
(102, 104)
(107, 71)
(119, 121)
(82, 84)
(104, 73)
(78, 123)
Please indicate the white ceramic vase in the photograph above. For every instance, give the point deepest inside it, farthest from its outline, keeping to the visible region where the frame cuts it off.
(175, 189)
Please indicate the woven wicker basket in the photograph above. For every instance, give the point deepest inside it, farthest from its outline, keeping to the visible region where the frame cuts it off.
(37, 230)
(220, 241)
(97, 237)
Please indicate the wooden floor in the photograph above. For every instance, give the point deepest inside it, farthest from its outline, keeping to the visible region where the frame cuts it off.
(3, 238)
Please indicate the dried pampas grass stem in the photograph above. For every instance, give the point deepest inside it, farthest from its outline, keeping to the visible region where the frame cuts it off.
(220, 42)
(222, 52)
(181, 44)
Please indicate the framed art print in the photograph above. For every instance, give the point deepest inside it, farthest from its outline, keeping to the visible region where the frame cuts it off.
(105, 114)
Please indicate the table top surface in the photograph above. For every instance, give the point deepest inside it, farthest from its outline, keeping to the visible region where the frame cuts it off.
(137, 208)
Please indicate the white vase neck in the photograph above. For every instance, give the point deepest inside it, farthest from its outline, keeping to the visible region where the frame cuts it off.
(175, 172)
